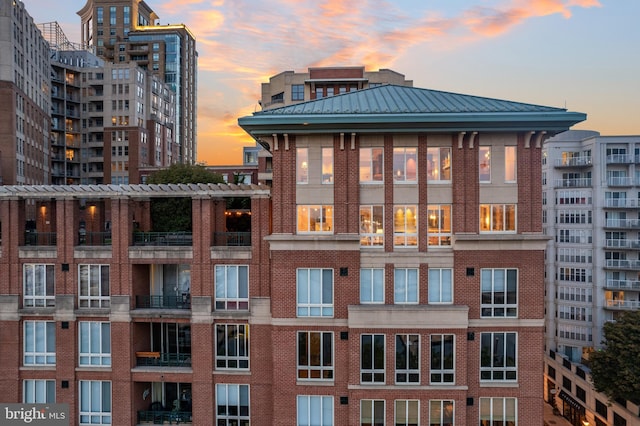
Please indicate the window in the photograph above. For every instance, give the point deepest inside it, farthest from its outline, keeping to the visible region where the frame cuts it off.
(404, 164)
(315, 218)
(371, 166)
(39, 285)
(498, 356)
(314, 288)
(99, 15)
(510, 163)
(232, 402)
(441, 413)
(372, 412)
(601, 408)
(94, 286)
(39, 343)
(497, 217)
(95, 343)
(499, 293)
(442, 358)
(314, 410)
(485, 163)
(372, 358)
(232, 346)
(39, 391)
(232, 287)
(618, 420)
(405, 286)
(112, 15)
(405, 226)
(439, 164)
(95, 402)
(315, 355)
(498, 412)
(439, 229)
(371, 285)
(327, 165)
(440, 286)
(302, 165)
(372, 225)
(407, 412)
(297, 92)
(319, 92)
(407, 358)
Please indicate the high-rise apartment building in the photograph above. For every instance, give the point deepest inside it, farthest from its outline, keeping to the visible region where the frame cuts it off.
(25, 92)
(123, 31)
(392, 274)
(590, 211)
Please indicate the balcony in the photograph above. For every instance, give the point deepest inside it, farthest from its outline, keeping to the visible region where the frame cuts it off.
(164, 302)
(623, 223)
(622, 304)
(583, 161)
(622, 244)
(164, 417)
(623, 285)
(573, 183)
(624, 203)
(620, 159)
(157, 359)
(37, 238)
(162, 239)
(232, 239)
(94, 238)
(620, 181)
(622, 264)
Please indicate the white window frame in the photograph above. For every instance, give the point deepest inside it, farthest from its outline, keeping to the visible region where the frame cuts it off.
(371, 231)
(39, 343)
(373, 374)
(368, 414)
(38, 391)
(494, 411)
(484, 163)
(90, 293)
(372, 286)
(233, 340)
(493, 364)
(402, 237)
(39, 285)
(441, 373)
(231, 292)
(233, 395)
(92, 408)
(510, 163)
(493, 225)
(327, 165)
(302, 166)
(410, 375)
(494, 293)
(440, 286)
(367, 155)
(406, 290)
(323, 219)
(437, 222)
(310, 368)
(402, 414)
(437, 410)
(94, 348)
(436, 163)
(304, 414)
(401, 157)
(312, 299)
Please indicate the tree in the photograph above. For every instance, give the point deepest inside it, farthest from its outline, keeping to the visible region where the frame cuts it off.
(174, 214)
(615, 370)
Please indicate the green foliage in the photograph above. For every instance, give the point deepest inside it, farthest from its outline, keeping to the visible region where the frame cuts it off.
(615, 370)
(174, 214)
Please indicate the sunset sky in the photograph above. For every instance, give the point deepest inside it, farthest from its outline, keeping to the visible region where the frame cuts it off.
(580, 54)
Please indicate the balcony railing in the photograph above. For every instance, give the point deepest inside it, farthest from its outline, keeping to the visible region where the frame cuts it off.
(622, 304)
(622, 264)
(620, 181)
(162, 417)
(630, 203)
(231, 239)
(156, 359)
(622, 223)
(623, 285)
(94, 239)
(573, 183)
(620, 159)
(37, 238)
(623, 244)
(573, 162)
(162, 238)
(163, 302)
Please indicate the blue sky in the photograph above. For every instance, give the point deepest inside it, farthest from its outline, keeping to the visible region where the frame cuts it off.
(578, 54)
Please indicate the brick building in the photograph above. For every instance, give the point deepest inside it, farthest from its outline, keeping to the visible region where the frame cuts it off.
(393, 274)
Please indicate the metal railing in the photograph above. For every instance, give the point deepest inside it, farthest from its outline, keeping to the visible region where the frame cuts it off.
(37, 238)
(163, 238)
(622, 264)
(620, 181)
(231, 239)
(622, 202)
(620, 159)
(163, 302)
(573, 162)
(622, 304)
(622, 223)
(94, 239)
(573, 183)
(160, 417)
(623, 284)
(164, 360)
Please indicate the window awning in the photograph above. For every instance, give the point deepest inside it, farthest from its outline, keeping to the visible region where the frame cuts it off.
(572, 402)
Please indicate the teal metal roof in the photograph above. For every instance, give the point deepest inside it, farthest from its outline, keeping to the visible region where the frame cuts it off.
(403, 109)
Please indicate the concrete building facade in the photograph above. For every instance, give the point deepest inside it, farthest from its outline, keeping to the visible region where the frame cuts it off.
(591, 213)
